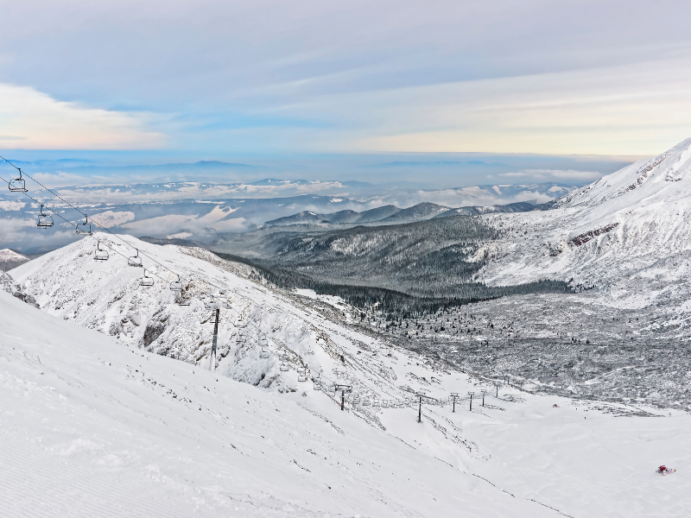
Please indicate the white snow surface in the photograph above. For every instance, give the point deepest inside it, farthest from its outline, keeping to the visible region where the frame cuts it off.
(628, 234)
(92, 427)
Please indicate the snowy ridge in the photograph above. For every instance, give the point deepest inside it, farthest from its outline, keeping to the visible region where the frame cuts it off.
(10, 255)
(10, 259)
(612, 234)
(306, 335)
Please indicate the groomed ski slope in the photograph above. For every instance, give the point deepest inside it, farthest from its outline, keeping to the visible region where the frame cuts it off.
(92, 427)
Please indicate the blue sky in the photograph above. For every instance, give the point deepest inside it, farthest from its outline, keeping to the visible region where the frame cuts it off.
(311, 81)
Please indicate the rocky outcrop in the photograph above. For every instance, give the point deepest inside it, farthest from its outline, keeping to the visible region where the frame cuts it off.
(7, 284)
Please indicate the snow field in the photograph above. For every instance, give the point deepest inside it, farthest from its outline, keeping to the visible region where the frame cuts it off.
(93, 428)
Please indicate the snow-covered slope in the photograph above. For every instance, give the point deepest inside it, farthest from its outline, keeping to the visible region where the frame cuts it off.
(627, 234)
(10, 259)
(107, 296)
(91, 427)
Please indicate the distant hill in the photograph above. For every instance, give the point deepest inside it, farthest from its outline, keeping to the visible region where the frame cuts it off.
(392, 215)
(10, 259)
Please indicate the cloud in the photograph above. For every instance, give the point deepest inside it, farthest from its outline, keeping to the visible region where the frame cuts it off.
(112, 218)
(171, 224)
(392, 75)
(37, 121)
(11, 205)
(553, 175)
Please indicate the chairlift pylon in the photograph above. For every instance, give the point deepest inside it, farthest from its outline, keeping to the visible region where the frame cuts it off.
(211, 303)
(44, 220)
(176, 285)
(17, 184)
(101, 255)
(84, 228)
(146, 280)
(135, 260)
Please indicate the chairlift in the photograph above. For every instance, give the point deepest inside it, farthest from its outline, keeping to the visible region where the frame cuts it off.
(135, 260)
(101, 255)
(44, 220)
(284, 367)
(17, 184)
(84, 228)
(184, 302)
(146, 280)
(264, 353)
(302, 377)
(176, 285)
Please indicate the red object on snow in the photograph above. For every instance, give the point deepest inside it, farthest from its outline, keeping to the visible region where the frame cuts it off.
(663, 468)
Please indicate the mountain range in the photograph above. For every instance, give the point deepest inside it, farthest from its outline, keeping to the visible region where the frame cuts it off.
(203, 212)
(472, 351)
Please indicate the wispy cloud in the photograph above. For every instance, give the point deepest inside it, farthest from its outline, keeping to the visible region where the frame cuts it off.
(553, 175)
(271, 76)
(35, 120)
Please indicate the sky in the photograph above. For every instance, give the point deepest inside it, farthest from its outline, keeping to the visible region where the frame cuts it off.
(403, 94)
(270, 80)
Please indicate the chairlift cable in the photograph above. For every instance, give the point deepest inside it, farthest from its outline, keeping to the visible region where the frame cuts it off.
(45, 206)
(125, 257)
(73, 224)
(84, 214)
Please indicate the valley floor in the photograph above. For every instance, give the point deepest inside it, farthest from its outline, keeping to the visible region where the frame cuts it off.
(572, 345)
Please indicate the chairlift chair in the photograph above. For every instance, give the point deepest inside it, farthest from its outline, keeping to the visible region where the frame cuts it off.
(302, 375)
(135, 260)
(176, 285)
(264, 353)
(146, 280)
(184, 302)
(17, 184)
(84, 228)
(44, 220)
(284, 367)
(101, 255)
